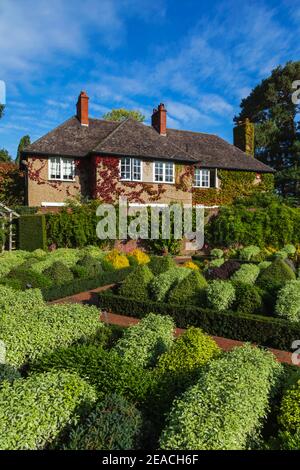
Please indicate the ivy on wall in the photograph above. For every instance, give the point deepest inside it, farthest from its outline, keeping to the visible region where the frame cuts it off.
(233, 185)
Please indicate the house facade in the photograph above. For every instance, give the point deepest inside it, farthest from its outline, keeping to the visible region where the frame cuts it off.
(86, 158)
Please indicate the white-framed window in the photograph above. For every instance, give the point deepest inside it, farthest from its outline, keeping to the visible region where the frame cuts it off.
(130, 169)
(61, 168)
(163, 172)
(202, 178)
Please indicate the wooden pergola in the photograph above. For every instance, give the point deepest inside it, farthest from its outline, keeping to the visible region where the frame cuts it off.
(8, 215)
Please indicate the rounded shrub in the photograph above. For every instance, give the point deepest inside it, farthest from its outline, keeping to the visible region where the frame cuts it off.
(289, 418)
(220, 295)
(136, 283)
(264, 265)
(288, 301)
(248, 253)
(161, 264)
(217, 253)
(115, 260)
(112, 424)
(23, 278)
(272, 278)
(59, 273)
(248, 298)
(33, 412)
(140, 256)
(105, 370)
(216, 263)
(247, 274)
(225, 409)
(145, 342)
(188, 291)
(88, 266)
(162, 283)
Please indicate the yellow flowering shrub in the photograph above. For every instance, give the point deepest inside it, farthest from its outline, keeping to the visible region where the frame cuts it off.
(191, 265)
(140, 256)
(115, 260)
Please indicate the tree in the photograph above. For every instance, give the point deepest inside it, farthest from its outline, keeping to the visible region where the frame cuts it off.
(277, 128)
(122, 114)
(24, 142)
(4, 156)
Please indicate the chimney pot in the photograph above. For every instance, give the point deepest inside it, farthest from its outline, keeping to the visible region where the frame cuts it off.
(159, 119)
(83, 109)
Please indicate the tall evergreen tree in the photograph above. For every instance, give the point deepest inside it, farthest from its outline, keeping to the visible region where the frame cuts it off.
(4, 156)
(24, 142)
(277, 126)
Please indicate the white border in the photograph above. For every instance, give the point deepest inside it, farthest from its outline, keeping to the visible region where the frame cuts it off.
(61, 179)
(164, 173)
(52, 204)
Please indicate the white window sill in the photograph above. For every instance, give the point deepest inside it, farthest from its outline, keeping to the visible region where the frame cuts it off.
(163, 182)
(61, 179)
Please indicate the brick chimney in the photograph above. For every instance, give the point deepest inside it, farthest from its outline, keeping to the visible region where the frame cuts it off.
(243, 136)
(83, 109)
(159, 119)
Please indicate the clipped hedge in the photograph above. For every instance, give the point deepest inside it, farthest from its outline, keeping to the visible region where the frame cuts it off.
(105, 370)
(289, 418)
(59, 273)
(220, 295)
(81, 285)
(248, 298)
(247, 274)
(145, 342)
(34, 411)
(189, 290)
(28, 334)
(113, 424)
(267, 331)
(162, 283)
(227, 406)
(32, 232)
(136, 283)
(274, 277)
(288, 302)
(161, 264)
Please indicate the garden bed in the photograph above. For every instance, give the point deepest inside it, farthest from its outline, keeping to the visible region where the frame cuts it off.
(266, 331)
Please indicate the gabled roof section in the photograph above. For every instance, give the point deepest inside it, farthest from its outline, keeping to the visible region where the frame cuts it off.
(213, 152)
(134, 139)
(72, 139)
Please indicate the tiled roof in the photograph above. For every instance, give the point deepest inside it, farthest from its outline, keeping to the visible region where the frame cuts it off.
(135, 139)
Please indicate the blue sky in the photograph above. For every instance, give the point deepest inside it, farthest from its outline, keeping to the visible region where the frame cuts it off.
(199, 58)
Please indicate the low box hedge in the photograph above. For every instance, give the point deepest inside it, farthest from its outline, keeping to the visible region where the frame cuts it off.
(266, 331)
(81, 285)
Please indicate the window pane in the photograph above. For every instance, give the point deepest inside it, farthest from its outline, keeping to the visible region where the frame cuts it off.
(136, 169)
(55, 172)
(125, 168)
(158, 171)
(205, 178)
(169, 172)
(68, 167)
(197, 177)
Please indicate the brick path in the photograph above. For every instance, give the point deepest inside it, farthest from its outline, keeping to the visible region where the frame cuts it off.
(90, 298)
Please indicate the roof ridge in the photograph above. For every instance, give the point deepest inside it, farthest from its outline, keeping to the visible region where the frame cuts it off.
(110, 134)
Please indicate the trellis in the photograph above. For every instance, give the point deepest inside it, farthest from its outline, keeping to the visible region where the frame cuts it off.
(8, 215)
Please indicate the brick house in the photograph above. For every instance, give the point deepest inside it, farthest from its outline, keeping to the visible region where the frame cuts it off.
(98, 159)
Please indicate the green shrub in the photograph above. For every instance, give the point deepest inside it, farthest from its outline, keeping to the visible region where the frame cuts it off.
(248, 298)
(216, 253)
(19, 302)
(8, 373)
(33, 412)
(59, 273)
(161, 284)
(247, 274)
(288, 302)
(113, 424)
(281, 254)
(145, 342)
(24, 278)
(161, 264)
(105, 370)
(264, 265)
(90, 266)
(248, 253)
(216, 263)
(136, 283)
(289, 249)
(268, 331)
(289, 418)
(32, 232)
(220, 295)
(274, 277)
(28, 334)
(227, 406)
(188, 291)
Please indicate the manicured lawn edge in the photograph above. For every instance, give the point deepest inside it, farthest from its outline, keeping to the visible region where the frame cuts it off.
(81, 285)
(266, 331)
